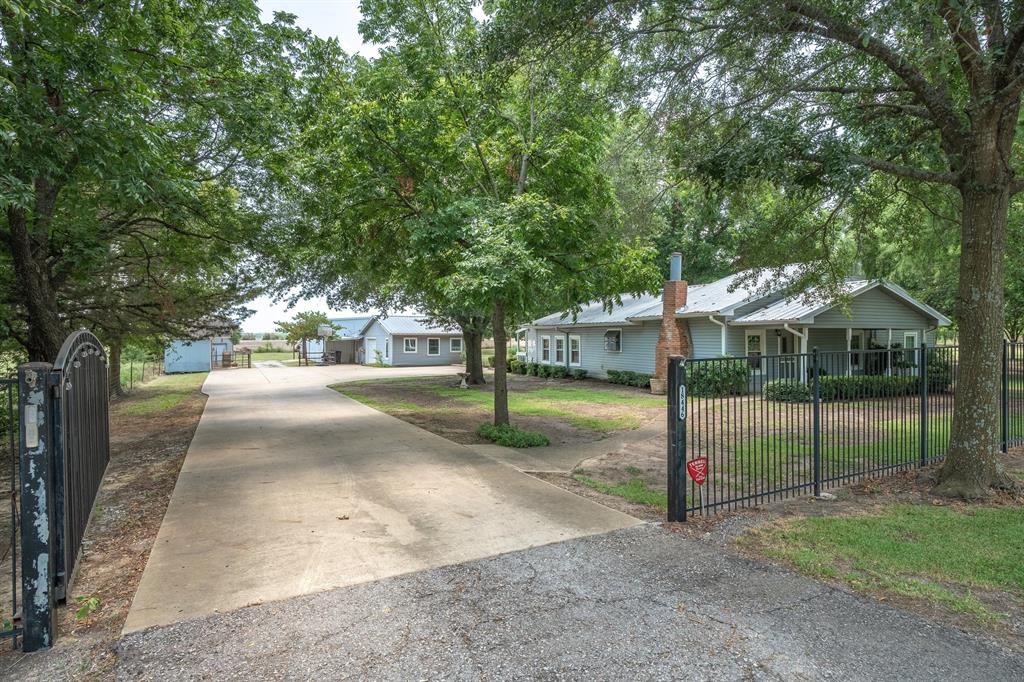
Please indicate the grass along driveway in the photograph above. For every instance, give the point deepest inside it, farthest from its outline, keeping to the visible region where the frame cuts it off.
(564, 411)
(150, 431)
(963, 560)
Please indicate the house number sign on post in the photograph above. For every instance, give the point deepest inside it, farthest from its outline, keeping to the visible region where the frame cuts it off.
(698, 470)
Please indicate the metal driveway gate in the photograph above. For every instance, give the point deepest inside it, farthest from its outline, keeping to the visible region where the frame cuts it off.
(64, 450)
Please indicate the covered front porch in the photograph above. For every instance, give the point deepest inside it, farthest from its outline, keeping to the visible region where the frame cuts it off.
(784, 352)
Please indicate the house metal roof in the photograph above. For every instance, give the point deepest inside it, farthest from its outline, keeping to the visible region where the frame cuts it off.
(595, 313)
(804, 308)
(350, 327)
(724, 296)
(414, 325)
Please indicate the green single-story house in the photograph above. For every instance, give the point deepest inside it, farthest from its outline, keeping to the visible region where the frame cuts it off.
(734, 316)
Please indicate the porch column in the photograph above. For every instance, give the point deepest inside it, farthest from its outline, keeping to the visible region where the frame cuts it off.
(849, 345)
(888, 354)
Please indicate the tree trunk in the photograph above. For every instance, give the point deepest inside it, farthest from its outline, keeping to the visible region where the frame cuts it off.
(971, 468)
(45, 330)
(473, 329)
(114, 389)
(500, 365)
(474, 356)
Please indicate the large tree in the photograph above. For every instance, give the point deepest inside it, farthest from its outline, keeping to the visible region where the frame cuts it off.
(121, 122)
(471, 188)
(820, 95)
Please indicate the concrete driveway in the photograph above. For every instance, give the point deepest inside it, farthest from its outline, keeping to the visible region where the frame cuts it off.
(290, 488)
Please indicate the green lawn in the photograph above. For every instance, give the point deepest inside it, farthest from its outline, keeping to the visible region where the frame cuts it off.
(273, 355)
(938, 554)
(635, 490)
(163, 393)
(560, 401)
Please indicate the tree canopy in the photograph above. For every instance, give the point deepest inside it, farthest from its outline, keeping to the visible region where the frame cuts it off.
(138, 139)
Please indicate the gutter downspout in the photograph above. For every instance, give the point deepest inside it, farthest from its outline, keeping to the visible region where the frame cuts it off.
(724, 333)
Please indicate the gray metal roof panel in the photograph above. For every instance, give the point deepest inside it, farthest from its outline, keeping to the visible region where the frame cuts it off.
(595, 313)
(415, 325)
(350, 327)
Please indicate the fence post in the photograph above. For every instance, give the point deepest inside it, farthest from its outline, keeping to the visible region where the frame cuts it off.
(676, 439)
(922, 374)
(815, 371)
(131, 375)
(37, 518)
(1004, 411)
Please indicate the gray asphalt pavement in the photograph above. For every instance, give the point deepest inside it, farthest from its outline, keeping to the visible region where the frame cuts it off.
(634, 604)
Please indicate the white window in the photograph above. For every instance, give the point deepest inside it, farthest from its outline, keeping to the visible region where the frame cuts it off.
(755, 349)
(433, 346)
(910, 348)
(574, 351)
(409, 345)
(545, 349)
(856, 344)
(455, 346)
(613, 340)
(560, 350)
(387, 348)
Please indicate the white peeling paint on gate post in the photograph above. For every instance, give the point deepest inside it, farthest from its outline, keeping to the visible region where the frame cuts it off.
(37, 557)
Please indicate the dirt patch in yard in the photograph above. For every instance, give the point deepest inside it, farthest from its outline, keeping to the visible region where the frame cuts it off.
(565, 411)
(150, 431)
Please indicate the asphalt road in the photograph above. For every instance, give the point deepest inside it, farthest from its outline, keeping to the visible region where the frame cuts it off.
(635, 604)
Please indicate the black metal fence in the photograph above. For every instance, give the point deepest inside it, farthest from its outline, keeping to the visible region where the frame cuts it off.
(83, 451)
(773, 427)
(56, 434)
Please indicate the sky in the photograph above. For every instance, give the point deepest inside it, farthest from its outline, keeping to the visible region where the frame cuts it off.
(326, 18)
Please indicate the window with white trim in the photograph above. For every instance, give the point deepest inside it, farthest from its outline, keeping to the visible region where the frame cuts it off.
(755, 349)
(910, 348)
(856, 344)
(613, 340)
(433, 346)
(575, 354)
(560, 350)
(409, 345)
(545, 349)
(387, 348)
(455, 345)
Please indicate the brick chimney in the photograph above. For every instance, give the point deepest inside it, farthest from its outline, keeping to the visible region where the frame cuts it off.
(674, 338)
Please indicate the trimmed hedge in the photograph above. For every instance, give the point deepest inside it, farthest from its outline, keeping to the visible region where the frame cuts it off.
(628, 378)
(558, 372)
(579, 374)
(855, 387)
(512, 436)
(787, 391)
(717, 378)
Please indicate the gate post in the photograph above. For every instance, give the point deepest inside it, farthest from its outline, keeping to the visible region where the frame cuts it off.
(922, 374)
(816, 415)
(1004, 411)
(676, 438)
(37, 506)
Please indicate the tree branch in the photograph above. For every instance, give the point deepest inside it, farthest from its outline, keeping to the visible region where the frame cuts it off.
(826, 25)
